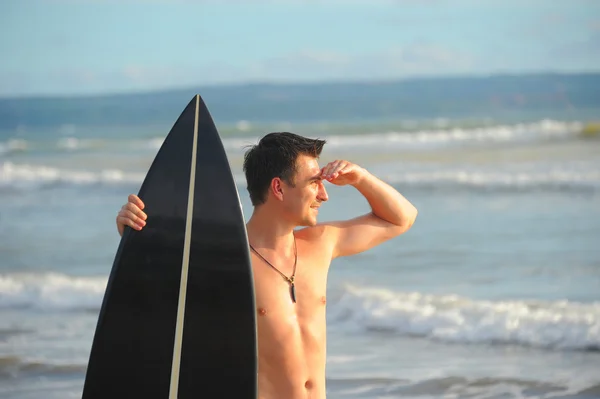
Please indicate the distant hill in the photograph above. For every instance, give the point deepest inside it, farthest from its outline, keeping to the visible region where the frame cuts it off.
(416, 98)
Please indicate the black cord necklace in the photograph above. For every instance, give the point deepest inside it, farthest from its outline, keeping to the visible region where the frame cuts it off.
(290, 280)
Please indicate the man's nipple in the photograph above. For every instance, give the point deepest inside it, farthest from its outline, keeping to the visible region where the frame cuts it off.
(262, 311)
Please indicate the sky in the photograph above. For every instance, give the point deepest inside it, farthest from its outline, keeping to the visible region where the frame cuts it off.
(82, 47)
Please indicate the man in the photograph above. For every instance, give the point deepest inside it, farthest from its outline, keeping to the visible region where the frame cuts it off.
(290, 267)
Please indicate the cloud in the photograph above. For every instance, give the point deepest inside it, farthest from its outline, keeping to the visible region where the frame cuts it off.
(417, 59)
(586, 50)
(83, 81)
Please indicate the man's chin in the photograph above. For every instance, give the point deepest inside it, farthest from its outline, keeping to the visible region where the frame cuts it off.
(309, 222)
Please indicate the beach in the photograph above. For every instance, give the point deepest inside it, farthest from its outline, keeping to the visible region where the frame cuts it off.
(494, 292)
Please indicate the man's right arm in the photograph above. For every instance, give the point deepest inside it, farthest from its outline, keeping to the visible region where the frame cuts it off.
(131, 214)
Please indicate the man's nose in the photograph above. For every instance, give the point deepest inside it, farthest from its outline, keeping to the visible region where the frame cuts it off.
(322, 194)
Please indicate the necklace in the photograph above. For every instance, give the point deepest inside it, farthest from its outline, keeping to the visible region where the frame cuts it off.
(290, 280)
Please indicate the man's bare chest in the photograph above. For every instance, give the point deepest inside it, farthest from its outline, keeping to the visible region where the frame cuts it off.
(273, 292)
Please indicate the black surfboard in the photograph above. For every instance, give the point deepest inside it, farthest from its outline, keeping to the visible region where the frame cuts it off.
(178, 315)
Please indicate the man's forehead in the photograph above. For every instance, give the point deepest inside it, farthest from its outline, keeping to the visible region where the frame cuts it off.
(308, 165)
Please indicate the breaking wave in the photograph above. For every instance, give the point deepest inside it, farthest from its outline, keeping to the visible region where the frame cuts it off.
(25, 176)
(558, 325)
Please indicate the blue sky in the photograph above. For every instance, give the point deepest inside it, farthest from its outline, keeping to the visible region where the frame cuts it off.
(100, 46)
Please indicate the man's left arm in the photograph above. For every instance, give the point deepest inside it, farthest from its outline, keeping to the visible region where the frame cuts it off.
(391, 214)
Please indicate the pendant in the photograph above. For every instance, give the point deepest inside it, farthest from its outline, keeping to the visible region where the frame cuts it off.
(293, 292)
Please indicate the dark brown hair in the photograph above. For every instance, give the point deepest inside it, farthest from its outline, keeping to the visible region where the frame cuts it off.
(274, 156)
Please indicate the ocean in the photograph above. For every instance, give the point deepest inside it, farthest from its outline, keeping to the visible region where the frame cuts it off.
(494, 292)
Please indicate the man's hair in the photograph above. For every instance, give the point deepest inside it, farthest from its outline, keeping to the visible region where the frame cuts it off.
(274, 156)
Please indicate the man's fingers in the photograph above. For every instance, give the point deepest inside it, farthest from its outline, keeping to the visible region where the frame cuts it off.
(134, 199)
(329, 168)
(332, 167)
(340, 166)
(136, 210)
(131, 214)
(344, 168)
(135, 217)
(129, 219)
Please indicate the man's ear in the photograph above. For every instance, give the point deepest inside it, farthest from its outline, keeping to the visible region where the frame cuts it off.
(277, 188)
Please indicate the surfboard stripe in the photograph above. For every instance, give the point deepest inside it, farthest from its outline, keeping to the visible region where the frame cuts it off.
(174, 386)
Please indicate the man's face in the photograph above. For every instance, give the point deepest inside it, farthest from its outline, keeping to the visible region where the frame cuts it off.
(303, 200)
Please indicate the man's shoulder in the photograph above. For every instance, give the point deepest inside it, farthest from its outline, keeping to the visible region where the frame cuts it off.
(317, 233)
(317, 240)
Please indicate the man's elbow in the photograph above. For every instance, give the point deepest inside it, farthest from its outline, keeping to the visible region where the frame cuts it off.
(407, 222)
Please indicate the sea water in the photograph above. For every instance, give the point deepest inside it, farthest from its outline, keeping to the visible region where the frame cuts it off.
(494, 292)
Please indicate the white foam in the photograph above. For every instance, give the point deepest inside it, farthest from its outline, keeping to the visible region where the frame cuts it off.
(553, 325)
(560, 177)
(153, 144)
(32, 176)
(402, 137)
(433, 137)
(14, 175)
(73, 144)
(13, 145)
(449, 318)
(51, 291)
(557, 177)
(439, 134)
(69, 143)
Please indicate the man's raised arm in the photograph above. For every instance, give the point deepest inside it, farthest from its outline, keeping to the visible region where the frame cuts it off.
(391, 215)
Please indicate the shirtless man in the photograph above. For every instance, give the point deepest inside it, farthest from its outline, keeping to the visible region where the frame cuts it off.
(290, 266)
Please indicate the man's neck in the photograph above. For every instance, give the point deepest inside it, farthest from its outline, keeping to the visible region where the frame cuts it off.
(267, 231)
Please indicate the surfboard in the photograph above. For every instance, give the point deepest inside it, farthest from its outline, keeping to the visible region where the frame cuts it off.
(178, 315)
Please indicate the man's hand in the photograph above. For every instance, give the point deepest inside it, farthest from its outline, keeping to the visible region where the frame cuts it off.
(341, 173)
(391, 214)
(131, 214)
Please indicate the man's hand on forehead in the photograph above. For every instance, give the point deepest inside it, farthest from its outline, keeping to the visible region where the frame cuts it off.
(342, 172)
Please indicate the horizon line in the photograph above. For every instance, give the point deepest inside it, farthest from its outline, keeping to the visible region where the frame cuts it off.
(296, 83)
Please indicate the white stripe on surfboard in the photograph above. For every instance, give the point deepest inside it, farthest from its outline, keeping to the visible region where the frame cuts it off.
(174, 387)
